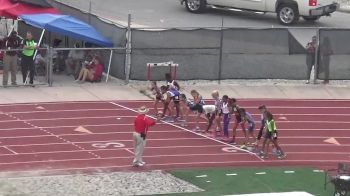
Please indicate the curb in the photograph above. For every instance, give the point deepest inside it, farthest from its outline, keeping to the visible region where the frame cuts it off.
(344, 9)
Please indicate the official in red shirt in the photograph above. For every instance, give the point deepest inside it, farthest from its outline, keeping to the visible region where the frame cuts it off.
(141, 124)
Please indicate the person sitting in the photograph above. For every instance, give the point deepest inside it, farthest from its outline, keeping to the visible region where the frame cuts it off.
(92, 71)
(74, 60)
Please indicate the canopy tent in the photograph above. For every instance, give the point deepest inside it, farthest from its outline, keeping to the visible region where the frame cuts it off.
(67, 25)
(12, 10)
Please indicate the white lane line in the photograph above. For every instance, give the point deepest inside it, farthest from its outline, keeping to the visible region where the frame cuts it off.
(260, 173)
(12, 151)
(318, 171)
(187, 130)
(118, 117)
(208, 181)
(289, 172)
(231, 174)
(127, 149)
(202, 176)
(168, 131)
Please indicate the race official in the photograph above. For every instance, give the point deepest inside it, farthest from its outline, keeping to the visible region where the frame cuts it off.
(11, 57)
(141, 124)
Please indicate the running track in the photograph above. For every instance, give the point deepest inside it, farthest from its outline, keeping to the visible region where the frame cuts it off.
(42, 137)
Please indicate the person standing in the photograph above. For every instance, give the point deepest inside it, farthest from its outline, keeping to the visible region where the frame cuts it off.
(311, 48)
(271, 135)
(141, 125)
(27, 62)
(11, 57)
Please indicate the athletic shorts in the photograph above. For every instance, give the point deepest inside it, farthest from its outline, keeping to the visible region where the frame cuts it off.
(251, 127)
(159, 97)
(238, 119)
(176, 99)
(271, 135)
(197, 107)
(218, 113)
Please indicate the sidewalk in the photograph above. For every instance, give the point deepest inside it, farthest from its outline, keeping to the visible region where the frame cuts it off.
(119, 91)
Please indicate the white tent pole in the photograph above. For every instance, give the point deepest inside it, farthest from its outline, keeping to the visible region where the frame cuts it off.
(109, 65)
(35, 52)
(41, 39)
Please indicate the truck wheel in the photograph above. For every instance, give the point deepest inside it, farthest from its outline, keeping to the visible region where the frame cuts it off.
(287, 14)
(311, 18)
(196, 6)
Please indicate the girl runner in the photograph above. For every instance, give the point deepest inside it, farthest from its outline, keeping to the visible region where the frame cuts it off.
(248, 118)
(226, 112)
(158, 96)
(171, 84)
(210, 113)
(197, 107)
(271, 135)
(263, 111)
(171, 95)
(218, 104)
(238, 121)
(184, 108)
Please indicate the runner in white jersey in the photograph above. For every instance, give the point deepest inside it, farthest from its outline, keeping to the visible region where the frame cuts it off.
(210, 113)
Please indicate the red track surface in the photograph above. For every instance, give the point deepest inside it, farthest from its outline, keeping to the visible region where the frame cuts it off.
(41, 137)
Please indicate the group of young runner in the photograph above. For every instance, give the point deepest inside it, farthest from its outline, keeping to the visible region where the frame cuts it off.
(177, 107)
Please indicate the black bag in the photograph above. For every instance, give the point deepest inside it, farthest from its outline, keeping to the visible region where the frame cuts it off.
(143, 135)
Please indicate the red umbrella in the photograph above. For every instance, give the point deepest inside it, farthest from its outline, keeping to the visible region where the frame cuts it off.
(13, 10)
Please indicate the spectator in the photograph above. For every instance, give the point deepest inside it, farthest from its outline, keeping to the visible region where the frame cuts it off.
(27, 62)
(11, 57)
(310, 56)
(91, 72)
(58, 57)
(74, 60)
(325, 57)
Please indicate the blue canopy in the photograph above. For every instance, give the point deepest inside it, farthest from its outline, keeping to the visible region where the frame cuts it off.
(67, 25)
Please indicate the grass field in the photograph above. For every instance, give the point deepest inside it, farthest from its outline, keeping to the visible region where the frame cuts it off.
(255, 180)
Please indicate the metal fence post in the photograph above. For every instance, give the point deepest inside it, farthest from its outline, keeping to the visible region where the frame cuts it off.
(128, 51)
(316, 56)
(221, 48)
(50, 68)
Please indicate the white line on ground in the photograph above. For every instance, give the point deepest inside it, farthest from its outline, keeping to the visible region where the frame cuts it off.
(260, 173)
(168, 131)
(202, 176)
(289, 172)
(231, 174)
(118, 117)
(127, 149)
(208, 181)
(48, 132)
(318, 171)
(12, 151)
(204, 136)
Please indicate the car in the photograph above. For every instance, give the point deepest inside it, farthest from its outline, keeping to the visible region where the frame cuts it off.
(288, 11)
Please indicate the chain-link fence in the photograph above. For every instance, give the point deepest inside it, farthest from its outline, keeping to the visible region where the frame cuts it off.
(207, 54)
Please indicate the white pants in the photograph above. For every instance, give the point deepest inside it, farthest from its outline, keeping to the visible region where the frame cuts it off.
(139, 145)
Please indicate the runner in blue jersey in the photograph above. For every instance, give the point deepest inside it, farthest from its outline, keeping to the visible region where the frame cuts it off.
(248, 118)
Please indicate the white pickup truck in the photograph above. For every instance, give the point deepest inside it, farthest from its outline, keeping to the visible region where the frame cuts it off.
(288, 11)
